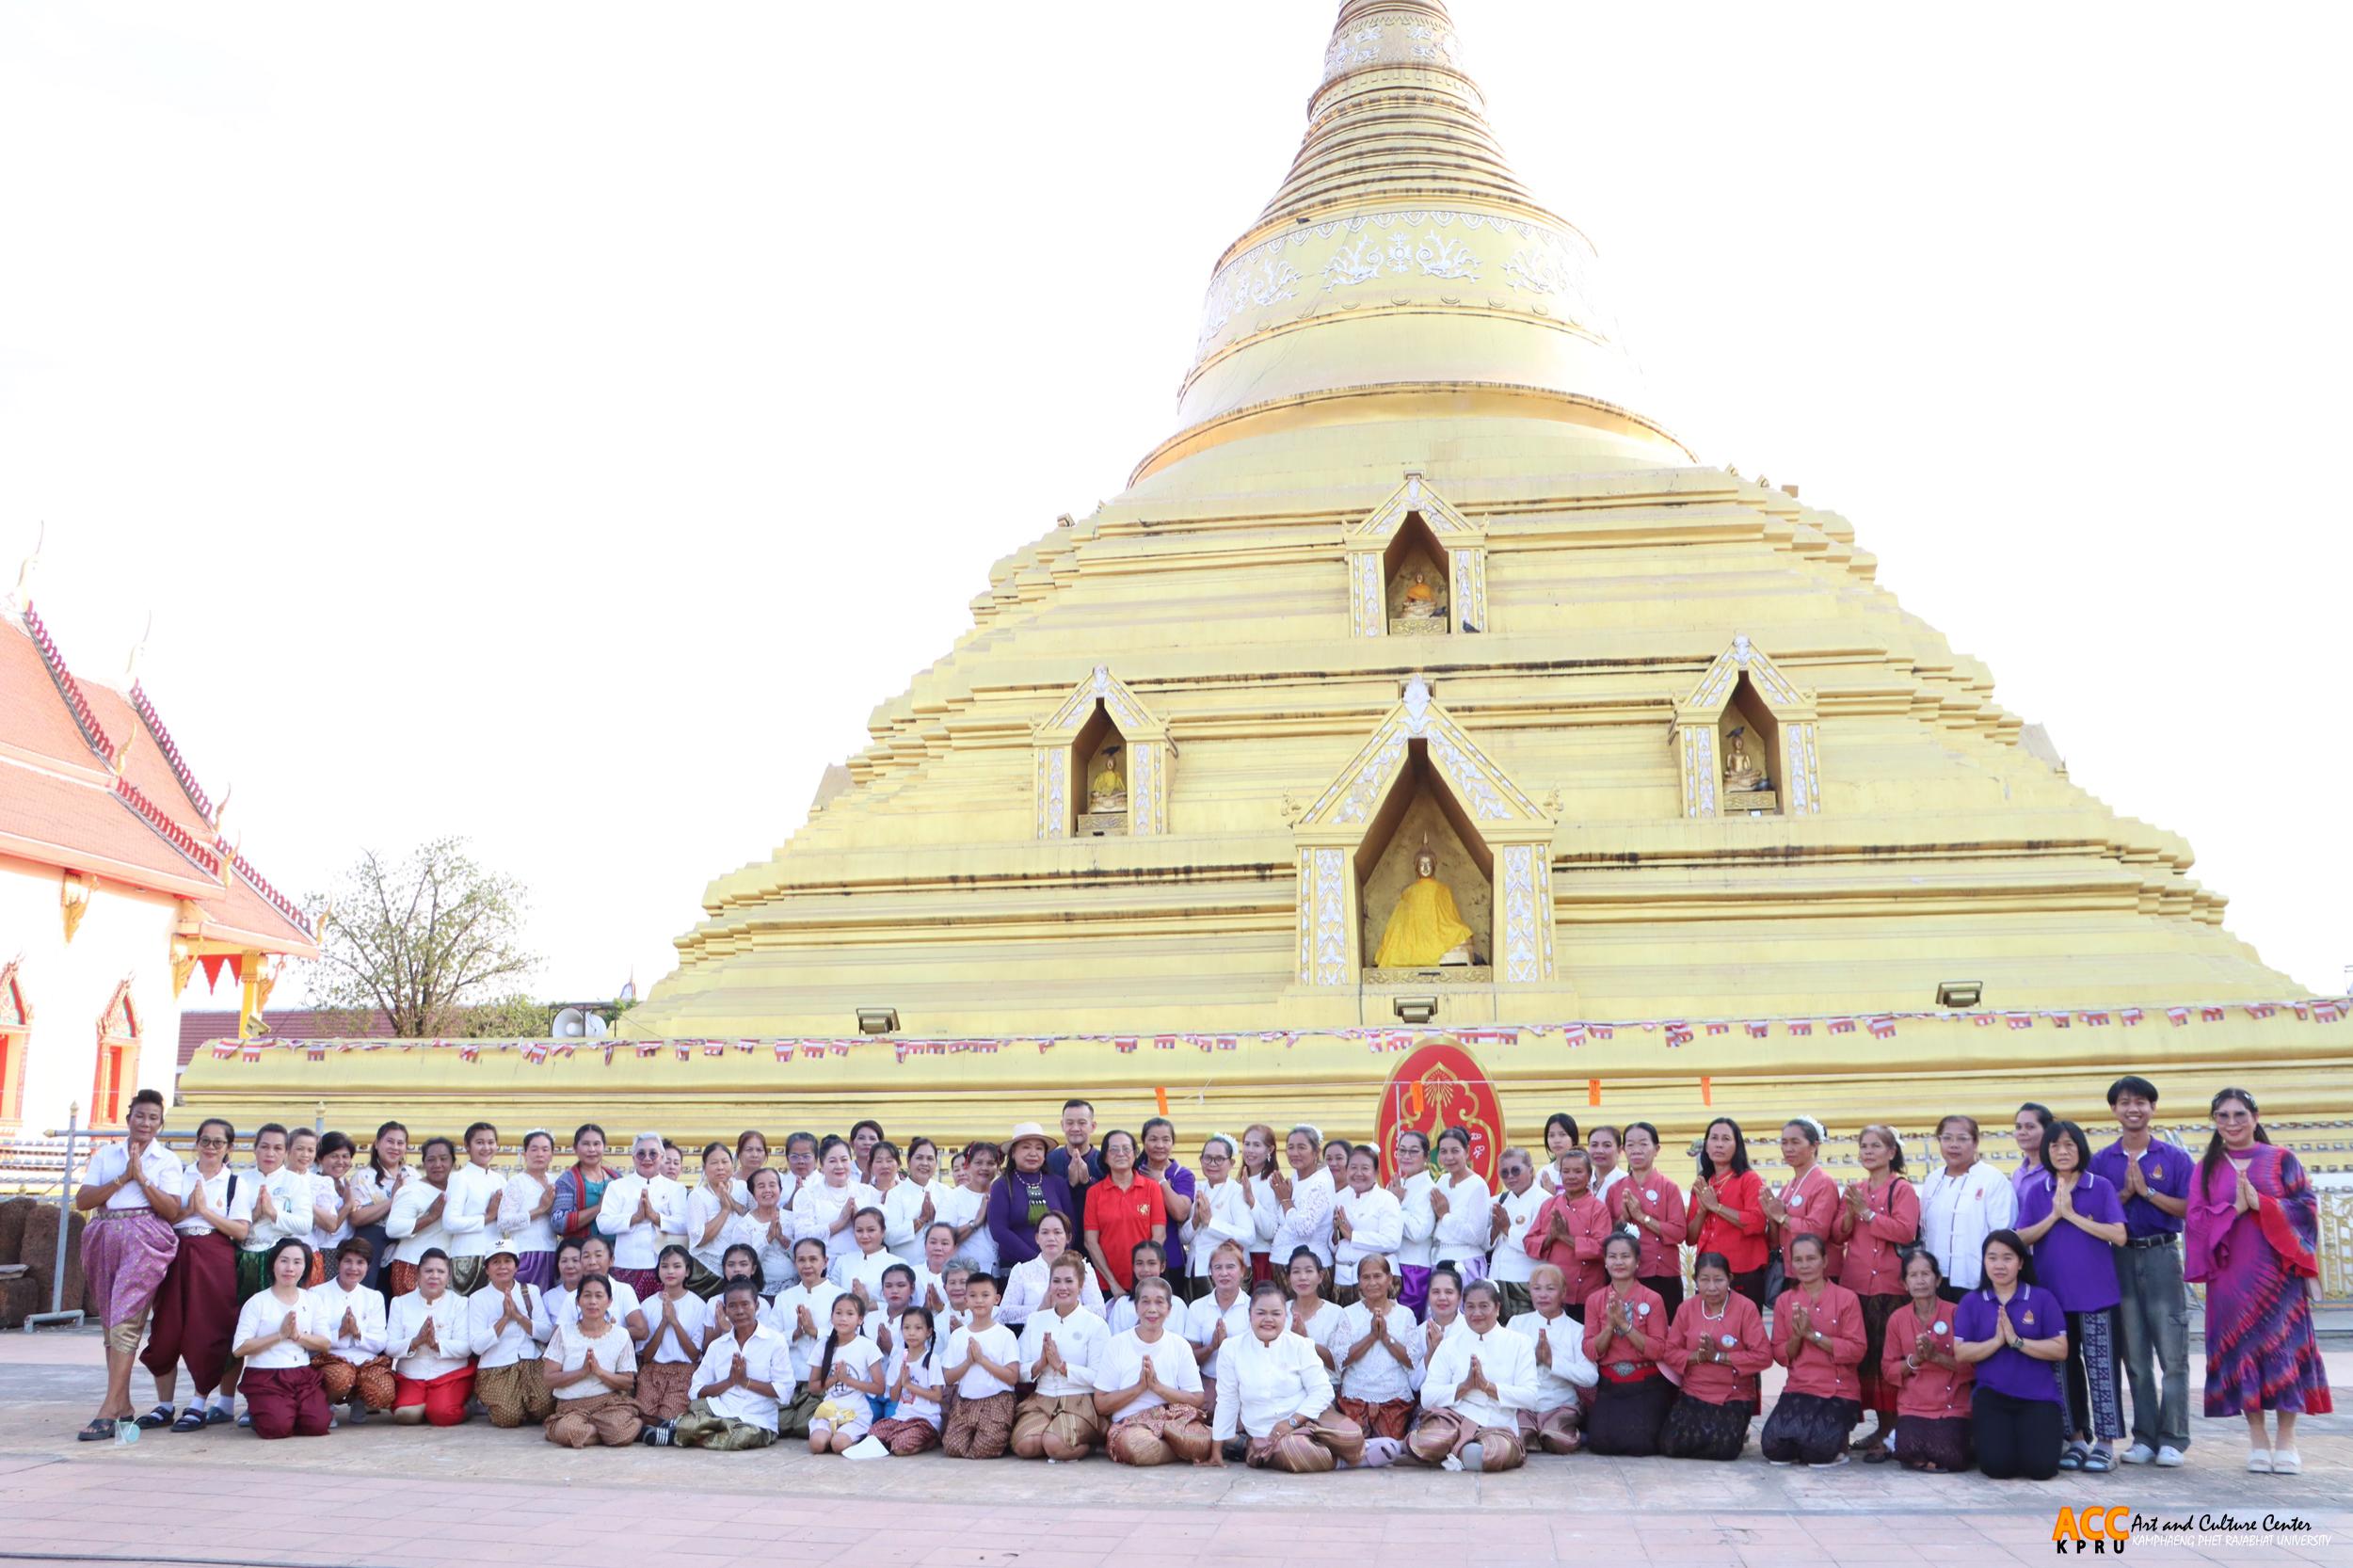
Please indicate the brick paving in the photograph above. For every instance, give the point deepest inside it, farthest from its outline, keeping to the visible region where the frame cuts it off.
(381, 1497)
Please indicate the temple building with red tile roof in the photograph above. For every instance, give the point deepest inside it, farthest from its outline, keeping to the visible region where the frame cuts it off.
(117, 885)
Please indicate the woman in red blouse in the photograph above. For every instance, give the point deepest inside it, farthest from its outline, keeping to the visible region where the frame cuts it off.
(1727, 1202)
(1877, 1216)
(1123, 1208)
(1933, 1384)
(1818, 1334)
(1717, 1347)
(1806, 1203)
(1653, 1206)
(1626, 1329)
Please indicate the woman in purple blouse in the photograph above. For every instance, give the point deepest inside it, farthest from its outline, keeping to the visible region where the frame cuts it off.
(2015, 1336)
(1024, 1194)
(2074, 1222)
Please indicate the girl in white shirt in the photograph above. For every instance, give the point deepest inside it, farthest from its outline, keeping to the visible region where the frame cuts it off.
(278, 1331)
(592, 1372)
(914, 1380)
(848, 1376)
(1030, 1283)
(1463, 1205)
(523, 1208)
(1304, 1197)
(668, 1328)
(1221, 1212)
(965, 1206)
(1366, 1219)
(766, 1227)
(1272, 1390)
(501, 1321)
(432, 1349)
(1380, 1351)
(825, 1208)
(1149, 1387)
(1312, 1318)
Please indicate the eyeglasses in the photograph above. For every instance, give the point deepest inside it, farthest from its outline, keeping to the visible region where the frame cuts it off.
(211, 1143)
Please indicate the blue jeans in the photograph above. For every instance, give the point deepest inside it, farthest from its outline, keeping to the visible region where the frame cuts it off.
(2152, 1323)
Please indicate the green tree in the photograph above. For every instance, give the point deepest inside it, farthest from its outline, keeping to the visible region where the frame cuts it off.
(508, 1017)
(426, 938)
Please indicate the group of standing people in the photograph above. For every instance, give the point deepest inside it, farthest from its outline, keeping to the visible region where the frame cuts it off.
(1294, 1303)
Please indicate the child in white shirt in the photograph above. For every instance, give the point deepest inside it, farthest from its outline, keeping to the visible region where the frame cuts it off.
(848, 1373)
(915, 1381)
(983, 1362)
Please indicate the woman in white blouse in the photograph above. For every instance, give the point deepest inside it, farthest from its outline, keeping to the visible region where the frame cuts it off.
(1366, 1219)
(1963, 1204)
(907, 1206)
(1221, 1314)
(766, 1227)
(501, 1330)
(431, 1345)
(414, 1225)
(712, 1208)
(355, 1366)
(1221, 1212)
(1380, 1351)
(1411, 1187)
(278, 1330)
(1312, 1318)
(523, 1207)
(1272, 1391)
(1463, 1205)
(824, 1207)
(1304, 1199)
(1149, 1387)
(1030, 1285)
(592, 1372)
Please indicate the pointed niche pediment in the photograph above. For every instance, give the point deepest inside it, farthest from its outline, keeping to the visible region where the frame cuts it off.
(1416, 566)
(1746, 740)
(1100, 765)
(1419, 767)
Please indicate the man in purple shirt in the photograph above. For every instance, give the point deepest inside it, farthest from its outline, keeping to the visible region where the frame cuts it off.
(2152, 1311)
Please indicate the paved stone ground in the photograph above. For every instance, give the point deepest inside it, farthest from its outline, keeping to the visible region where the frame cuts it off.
(389, 1497)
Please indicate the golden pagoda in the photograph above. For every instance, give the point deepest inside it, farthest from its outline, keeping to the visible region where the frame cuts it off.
(1419, 590)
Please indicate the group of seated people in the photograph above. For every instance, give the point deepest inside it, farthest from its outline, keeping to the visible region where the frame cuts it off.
(1047, 1301)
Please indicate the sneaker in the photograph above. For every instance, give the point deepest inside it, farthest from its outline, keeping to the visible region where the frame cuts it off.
(2139, 1453)
(2171, 1458)
(2259, 1461)
(2286, 1461)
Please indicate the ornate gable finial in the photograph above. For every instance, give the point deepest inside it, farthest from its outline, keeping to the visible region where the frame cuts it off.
(138, 652)
(1740, 649)
(1417, 700)
(21, 599)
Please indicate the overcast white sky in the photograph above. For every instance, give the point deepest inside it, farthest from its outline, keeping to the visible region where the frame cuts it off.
(561, 424)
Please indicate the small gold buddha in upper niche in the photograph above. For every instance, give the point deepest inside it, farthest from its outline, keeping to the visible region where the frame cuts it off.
(1106, 791)
(1740, 774)
(1421, 599)
(1425, 928)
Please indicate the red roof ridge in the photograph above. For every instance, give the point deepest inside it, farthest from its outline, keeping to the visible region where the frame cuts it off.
(164, 742)
(171, 832)
(77, 703)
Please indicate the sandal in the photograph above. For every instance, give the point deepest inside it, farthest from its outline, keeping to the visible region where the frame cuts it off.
(159, 1417)
(2073, 1457)
(191, 1419)
(2099, 1461)
(1875, 1454)
(97, 1431)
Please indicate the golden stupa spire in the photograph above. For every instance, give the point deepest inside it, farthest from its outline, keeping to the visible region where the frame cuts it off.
(1403, 269)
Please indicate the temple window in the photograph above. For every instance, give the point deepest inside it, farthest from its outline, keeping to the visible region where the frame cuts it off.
(117, 1072)
(16, 1023)
(1426, 883)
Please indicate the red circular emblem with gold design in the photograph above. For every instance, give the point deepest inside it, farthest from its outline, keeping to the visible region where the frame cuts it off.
(1438, 1085)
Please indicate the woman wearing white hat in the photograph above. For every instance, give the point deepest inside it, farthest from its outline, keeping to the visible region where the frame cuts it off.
(507, 1377)
(1024, 1194)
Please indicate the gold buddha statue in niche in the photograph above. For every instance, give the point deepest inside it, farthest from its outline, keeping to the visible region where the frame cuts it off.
(1425, 928)
(1740, 774)
(1421, 599)
(1106, 791)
